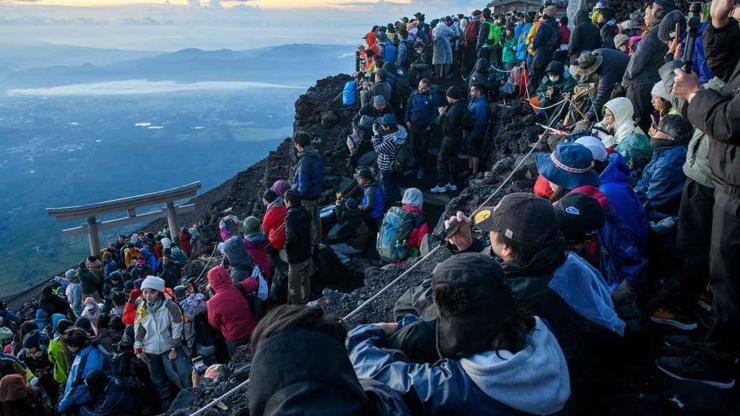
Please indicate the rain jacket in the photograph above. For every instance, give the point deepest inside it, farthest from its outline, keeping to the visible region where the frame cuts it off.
(76, 393)
(58, 357)
(627, 139)
(309, 175)
(531, 381)
(273, 223)
(442, 48)
(158, 327)
(228, 309)
(615, 185)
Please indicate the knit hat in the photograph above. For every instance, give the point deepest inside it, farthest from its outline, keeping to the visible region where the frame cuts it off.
(455, 92)
(154, 283)
(595, 145)
(251, 225)
(660, 91)
(31, 340)
(280, 186)
(413, 197)
(579, 216)
(378, 100)
(620, 40)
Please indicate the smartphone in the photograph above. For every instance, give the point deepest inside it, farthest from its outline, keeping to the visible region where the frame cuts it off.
(199, 365)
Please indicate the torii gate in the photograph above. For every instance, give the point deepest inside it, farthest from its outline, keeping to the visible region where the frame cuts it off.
(90, 211)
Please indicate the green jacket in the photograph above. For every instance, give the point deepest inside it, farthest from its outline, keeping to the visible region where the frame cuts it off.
(509, 55)
(58, 358)
(564, 84)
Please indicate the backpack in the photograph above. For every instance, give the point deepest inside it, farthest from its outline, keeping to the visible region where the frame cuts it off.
(391, 242)
(470, 36)
(619, 253)
(553, 42)
(404, 158)
(256, 300)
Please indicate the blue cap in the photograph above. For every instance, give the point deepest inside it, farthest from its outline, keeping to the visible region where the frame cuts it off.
(388, 120)
(568, 166)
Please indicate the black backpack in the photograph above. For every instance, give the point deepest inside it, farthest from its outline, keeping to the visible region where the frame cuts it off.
(256, 304)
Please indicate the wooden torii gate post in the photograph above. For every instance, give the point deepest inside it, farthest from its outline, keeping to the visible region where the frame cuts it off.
(129, 204)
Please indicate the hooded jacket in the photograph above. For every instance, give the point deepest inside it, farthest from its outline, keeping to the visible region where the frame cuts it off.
(442, 47)
(628, 138)
(479, 76)
(87, 359)
(387, 147)
(716, 112)
(58, 357)
(239, 259)
(228, 309)
(257, 248)
(298, 235)
(615, 184)
(309, 175)
(158, 327)
(373, 202)
(422, 107)
(585, 37)
(19, 399)
(562, 85)
(531, 381)
(610, 74)
(305, 372)
(273, 223)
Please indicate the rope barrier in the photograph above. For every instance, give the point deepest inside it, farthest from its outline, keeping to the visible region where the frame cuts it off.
(413, 266)
(197, 279)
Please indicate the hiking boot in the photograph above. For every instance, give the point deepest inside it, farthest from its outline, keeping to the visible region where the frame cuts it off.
(451, 187)
(705, 301)
(674, 319)
(420, 174)
(438, 189)
(699, 367)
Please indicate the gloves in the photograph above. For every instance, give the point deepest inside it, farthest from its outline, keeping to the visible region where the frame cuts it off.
(135, 294)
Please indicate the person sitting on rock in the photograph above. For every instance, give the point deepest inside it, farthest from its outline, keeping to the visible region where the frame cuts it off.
(351, 233)
(229, 310)
(301, 366)
(362, 123)
(88, 358)
(372, 204)
(256, 244)
(380, 88)
(553, 85)
(490, 347)
(413, 202)
(17, 398)
(619, 131)
(387, 140)
(109, 396)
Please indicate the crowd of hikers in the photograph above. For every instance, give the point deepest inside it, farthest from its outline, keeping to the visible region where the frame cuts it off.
(632, 226)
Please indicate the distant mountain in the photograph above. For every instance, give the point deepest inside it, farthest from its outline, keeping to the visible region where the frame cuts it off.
(295, 64)
(19, 58)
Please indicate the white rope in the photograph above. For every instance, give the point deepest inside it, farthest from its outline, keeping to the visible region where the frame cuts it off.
(197, 279)
(221, 397)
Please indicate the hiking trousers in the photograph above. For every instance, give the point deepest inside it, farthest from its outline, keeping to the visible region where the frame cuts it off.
(419, 136)
(447, 160)
(299, 282)
(693, 238)
(312, 206)
(724, 267)
(165, 371)
(639, 95)
(391, 192)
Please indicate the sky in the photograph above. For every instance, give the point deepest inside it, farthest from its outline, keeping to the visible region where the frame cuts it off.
(265, 4)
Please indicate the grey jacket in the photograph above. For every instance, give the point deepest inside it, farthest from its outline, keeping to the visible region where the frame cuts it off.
(644, 63)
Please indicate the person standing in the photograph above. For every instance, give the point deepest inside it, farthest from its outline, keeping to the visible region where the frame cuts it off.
(478, 109)
(420, 113)
(298, 249)
(453, 118)
(307, 182)
(387, 141)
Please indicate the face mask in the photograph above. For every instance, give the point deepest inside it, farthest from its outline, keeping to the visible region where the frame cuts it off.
(554, 78)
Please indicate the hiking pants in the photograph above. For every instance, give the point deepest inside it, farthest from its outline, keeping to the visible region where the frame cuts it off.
(724, 267)
(164, 371)
(391, 193)
(639, 95)
(312, 206)
(693, 238)
(299, 282)
(419, 136)
(447, 160)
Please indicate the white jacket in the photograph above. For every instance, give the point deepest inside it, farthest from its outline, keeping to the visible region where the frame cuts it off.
(158, 328)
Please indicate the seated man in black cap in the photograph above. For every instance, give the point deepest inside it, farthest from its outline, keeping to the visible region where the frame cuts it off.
(497, 359)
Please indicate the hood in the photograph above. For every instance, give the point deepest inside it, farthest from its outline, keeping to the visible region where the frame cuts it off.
(616, 170)
(622, 109)
(482, 65)
(236, 252)
(278, 202)
(307, 373)
(594, 193)
(219, 279)
(40, 314)
(370, 38)
(13, 387)
(257, 240)
(534, 380)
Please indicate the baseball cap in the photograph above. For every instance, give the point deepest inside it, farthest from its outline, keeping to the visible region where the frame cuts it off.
(522, 217)
(578, 215)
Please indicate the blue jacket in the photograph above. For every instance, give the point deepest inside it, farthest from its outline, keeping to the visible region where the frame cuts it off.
(76, 393)
(373, 201)
(389, 53)
(521, 46)
(150, 258)
(615, 184)
(700, 60)
(662, 181)
(532, 381)
(543, 41)
(478, 108)
(620, 254)
(309, 175)
(422, 108)
(117, 400)
(10, 318)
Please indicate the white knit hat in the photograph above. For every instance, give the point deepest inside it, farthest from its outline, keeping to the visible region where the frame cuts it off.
(660, 91)
(595, 145)
(154, 283)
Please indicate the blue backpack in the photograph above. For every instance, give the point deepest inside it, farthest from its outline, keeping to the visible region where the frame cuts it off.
(349, 94)
(619, 253)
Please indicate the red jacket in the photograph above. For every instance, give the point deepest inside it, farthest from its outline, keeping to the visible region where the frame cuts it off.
(273, 224)
(185, 245)
(542, 187)
(256, 248)
(228, 309)
(418, 233)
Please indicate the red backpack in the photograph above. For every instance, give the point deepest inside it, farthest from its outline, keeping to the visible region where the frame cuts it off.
(471, 32)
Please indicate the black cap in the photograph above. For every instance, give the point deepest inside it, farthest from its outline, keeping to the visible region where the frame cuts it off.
(521, 217)
(364, 173)
(455, 92)
(473, 299)
(578, 216)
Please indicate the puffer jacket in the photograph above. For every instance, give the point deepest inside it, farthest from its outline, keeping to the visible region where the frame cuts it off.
(257, 248)
(309, 175)
(644, 63)
(615, 184)
(531, 381)
(228, 309)
(717, 112)
(87, 360)
(387, 147)
(273, 223)
(373, 201)
(158, 327)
